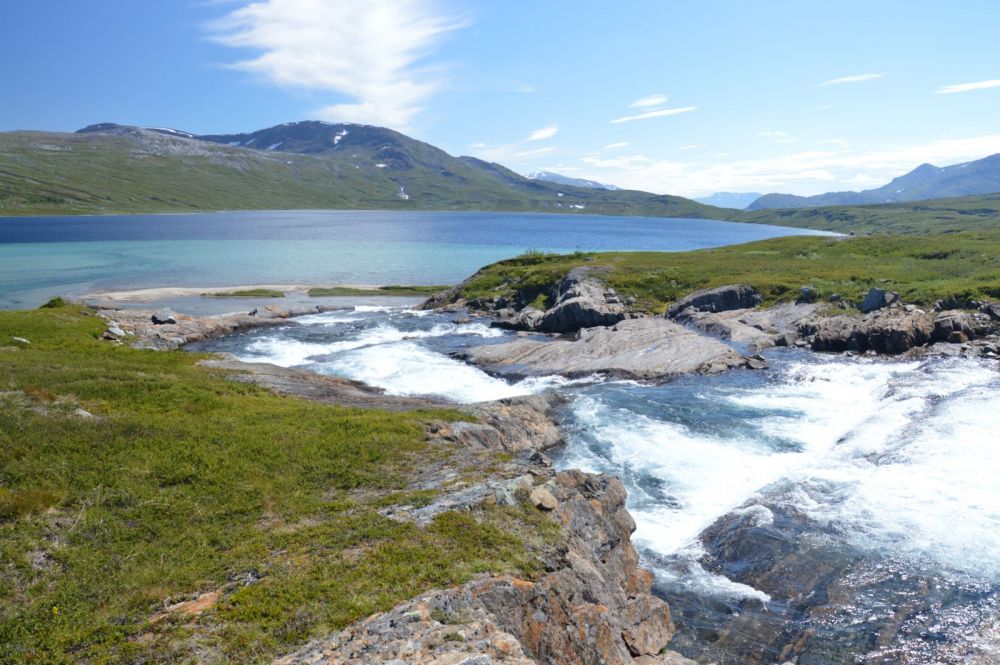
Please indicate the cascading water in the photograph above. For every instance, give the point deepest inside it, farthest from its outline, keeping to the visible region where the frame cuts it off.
(827, 510)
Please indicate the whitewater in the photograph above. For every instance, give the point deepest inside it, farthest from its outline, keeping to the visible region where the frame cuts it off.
(881, 470)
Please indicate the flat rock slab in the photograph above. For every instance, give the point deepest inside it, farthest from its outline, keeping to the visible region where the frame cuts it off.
(644, 349)
(755, 329)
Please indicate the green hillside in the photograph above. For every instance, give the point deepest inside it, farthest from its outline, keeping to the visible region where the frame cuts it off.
(131, 170)
(965, 213)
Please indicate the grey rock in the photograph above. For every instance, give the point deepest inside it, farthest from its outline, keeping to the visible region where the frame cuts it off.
(580, 303)
(721, 299)
(754, 329)
(890, 331)
(542, 499)
(636, 348)
(876, 299)
(954, 326)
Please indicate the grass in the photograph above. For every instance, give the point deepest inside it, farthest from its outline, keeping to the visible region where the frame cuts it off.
(966, 213)
(246, 293)
(922, 269)
(184, 482)
(393, 290)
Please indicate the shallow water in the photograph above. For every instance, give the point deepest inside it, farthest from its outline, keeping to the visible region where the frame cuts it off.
(881, 474)
(41, 257)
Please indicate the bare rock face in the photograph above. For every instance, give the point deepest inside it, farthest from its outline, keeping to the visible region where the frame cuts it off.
(595, 608)
(754, 329)
(637, 348)
(581, 302)
(721, 299)
(891, 331)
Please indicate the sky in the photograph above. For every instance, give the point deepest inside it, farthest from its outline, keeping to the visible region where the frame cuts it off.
(683, 97)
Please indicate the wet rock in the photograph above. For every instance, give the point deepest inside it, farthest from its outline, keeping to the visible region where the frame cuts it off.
(636, 348)
(721, 299)
(953, 326)
(877, 299)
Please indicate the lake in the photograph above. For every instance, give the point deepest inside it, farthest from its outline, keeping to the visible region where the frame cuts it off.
(42, 257)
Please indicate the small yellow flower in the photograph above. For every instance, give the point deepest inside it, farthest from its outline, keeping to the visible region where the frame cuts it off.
(55, 611)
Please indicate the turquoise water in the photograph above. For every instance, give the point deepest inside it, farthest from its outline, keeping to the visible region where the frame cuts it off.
(42, 257)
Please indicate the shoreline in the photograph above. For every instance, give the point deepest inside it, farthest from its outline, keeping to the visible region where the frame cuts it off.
(151, 294)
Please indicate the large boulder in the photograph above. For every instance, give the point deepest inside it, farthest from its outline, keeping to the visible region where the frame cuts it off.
(895, 330)
(954, 326)
(876, 299)
(581, 302)
(721, 299)
(834, 333)
(163, 317)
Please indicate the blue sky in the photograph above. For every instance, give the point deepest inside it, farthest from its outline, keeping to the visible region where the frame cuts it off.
(682, 97)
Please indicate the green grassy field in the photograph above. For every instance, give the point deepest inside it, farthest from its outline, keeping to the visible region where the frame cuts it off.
(246, 293)
(184, 482)
(922, 269)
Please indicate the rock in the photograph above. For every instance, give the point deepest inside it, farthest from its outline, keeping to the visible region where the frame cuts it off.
(753, 329)
(594, 606)
(954, 326)
(991, 309)
(114, 333)
(580, 303)
(636, 348)
(877, 299)
(542, 499)
(890, 332)
(163, 317)
(721, 299)
(21, 340)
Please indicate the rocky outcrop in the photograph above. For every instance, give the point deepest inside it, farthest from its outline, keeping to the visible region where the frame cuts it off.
(876, 299)
(581, 302)
(595, 607)
(754, 330)
(891, 331)
(647, 349)
(721, 299)
(164, 329)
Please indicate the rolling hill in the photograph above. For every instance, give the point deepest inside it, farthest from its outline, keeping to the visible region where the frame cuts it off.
(922, 183)
(108, 168)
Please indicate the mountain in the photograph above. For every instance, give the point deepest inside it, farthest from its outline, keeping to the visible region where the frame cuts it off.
(737, 200)
(924, 182)
(302, 165)
(549, 176)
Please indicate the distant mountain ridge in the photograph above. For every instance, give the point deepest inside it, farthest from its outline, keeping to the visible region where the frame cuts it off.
(927, 181)
(559, 179)
(735, 200)
(109, 167)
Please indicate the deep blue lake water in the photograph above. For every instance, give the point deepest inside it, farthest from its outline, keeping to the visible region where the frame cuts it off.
(42, 257)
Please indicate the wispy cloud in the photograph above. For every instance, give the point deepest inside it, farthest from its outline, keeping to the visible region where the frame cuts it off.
(367, 50)
(648, 102)
(804, 172)
(616, 146)
(654, 114)
(854, 78)
(543, 133)
(966, 87)
(533, 153)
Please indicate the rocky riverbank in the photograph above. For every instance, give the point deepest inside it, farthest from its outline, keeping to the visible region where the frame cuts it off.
(593, 604)
(590, 328)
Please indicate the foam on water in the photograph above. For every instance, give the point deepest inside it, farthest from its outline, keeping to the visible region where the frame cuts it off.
(897, 456)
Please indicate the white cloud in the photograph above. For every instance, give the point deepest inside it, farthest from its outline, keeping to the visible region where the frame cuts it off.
(367, 50)
(966, 87)
(854, 78)
(654, 114)
(543, 133)
(648, 102)
(804, 172)
(533, 153)
(616, 146)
